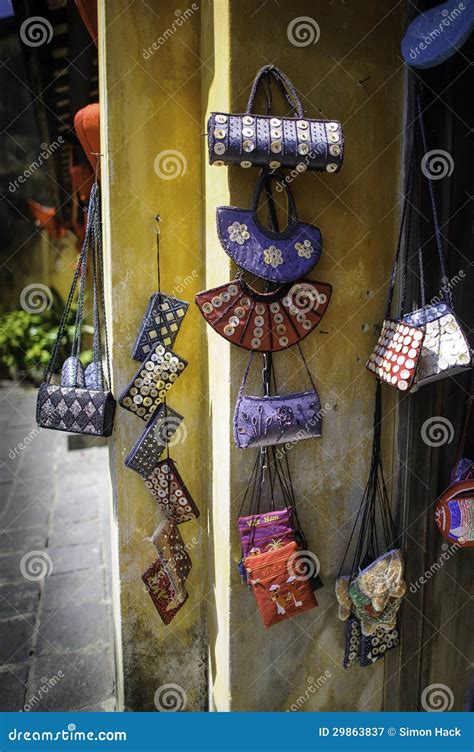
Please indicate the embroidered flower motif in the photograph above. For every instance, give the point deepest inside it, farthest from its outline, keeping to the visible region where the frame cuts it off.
(238, 233)
(284, 415)
(273, 256)
(305, 249)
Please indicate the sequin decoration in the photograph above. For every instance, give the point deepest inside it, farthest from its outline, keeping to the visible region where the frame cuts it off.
(445, 350)
(352, 644)
(396, 355)
(304, 249)
(265, 321)
(238, 233)
(172, 496)
(373, 647)
(272, 256)
(152, 381)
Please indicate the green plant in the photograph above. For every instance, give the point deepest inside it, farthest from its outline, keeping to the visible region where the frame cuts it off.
(27, 340)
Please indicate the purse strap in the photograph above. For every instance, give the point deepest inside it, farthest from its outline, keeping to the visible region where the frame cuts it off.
(264, 184)
(99, 283)
(269, 72)
(269, 371)
(434, 206)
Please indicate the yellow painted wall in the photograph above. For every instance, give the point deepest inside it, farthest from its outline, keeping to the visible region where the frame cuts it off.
(161, 102)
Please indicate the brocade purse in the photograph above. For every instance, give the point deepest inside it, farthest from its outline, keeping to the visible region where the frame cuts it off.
(167, 599)
(150, 385)
(273, 141)
(275, 256)
(278, 419)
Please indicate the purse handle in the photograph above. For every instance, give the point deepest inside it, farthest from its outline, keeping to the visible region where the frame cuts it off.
(249, 363)
(264, 184)
(285, 86)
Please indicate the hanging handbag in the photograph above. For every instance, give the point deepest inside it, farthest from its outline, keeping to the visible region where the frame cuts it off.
(397, 352)
(80, 407)
(276, 419)
(275, 256)
(149, 387)
(454, 510)
(273, 141)
(172, 496)
(163, 316)
(280, 594)
(446, 350)
(166, 597)
(154, 439)
(265, 532)
(264, 321)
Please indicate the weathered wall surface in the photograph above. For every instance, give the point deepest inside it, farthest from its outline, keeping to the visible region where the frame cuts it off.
(153, 104)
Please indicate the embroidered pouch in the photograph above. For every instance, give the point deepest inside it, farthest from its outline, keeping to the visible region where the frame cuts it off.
(159, 433)
(298, 142)
(172, 496)
(149, 387)
(171, 549)
(166, 599)
(279, 592)
(454, 513)
(160, 324)
(276, 256)
(265, 532)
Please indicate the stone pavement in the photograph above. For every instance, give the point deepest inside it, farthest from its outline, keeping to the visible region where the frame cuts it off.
(56, 626)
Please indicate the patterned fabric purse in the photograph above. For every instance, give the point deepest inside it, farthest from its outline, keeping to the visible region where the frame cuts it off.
(273, 141)
(167, 599)
(280, 592)
(264, 322)
(265, 532)
(160, 324)
(79, 405)
(154, 439)
(276, 256)
(269, 420)
(150, 385)
(166, 484)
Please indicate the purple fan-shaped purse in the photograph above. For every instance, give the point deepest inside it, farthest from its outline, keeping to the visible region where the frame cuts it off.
(276, 256)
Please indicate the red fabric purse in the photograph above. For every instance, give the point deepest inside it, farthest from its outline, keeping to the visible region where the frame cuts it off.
(280, 592)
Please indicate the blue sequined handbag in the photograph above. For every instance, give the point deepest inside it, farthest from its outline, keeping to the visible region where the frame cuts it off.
(252, 140)
(160, 324)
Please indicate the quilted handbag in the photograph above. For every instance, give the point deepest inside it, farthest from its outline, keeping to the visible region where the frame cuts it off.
(264, 321)
(149, 387)
(166, 484)
(248, 139)
(280, 593)
(167, 599)
(277, 419)
(159, 433)
(276, 256)
(160, 324)
(163, 316)
(75, 405)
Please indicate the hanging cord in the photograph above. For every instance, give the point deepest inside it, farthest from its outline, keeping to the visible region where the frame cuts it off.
(467, 417)
(100, 282)
(434, 206)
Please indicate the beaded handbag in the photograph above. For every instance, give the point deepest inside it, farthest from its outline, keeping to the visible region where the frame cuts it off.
(272, 141)
(167, 599)
(80, 405)
(166, 484)
(160, 432)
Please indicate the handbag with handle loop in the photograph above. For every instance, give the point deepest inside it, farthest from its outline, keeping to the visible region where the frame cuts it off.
(275, 256)
(86, 406)
(249, 139)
